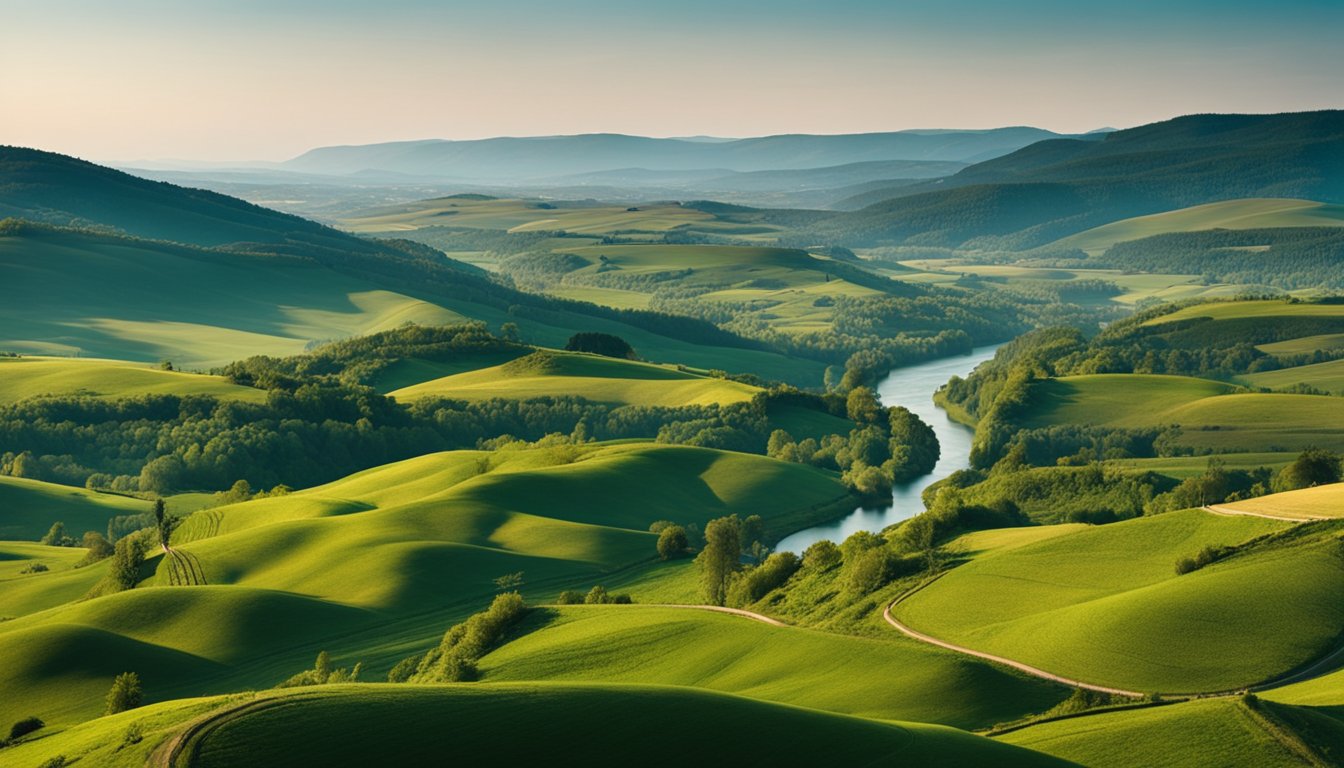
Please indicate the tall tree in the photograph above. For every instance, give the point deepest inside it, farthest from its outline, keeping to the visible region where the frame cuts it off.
(125, 694)
(720, 558)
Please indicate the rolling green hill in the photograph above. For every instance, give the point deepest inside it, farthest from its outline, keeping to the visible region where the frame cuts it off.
(1255, 213)
(1106, 606)
(29, 507)
(1120, 400)
(358, 724)
(596, 378)
(873, 678)
(375, 566)
(1319, 501)
(25, 377)
(1327, 377)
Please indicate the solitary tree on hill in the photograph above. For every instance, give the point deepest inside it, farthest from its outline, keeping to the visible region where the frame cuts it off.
(125, 694)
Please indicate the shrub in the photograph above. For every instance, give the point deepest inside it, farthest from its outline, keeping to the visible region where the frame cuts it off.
(125, 694)
(672, 542)
(1185, 565)
(35, 568)
(454, 660)
(596, 596)
(821, 556)
(754, 584)
(57, 537)
(134, 734)
(24, 727)
(570, 597)
(404, 669)
(601, 344)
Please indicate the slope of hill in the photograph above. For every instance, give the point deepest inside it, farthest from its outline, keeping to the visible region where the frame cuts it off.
(600, 379)
(1060, 187)
(29, 507)
(25, 377)
(550, 156)
(1256, 213)
(858, 676)
(1107, 606)
(356, 725)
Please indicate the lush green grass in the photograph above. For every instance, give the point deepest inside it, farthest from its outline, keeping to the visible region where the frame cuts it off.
(1231, 310)
(375, 566)
(1327, 377)
(23, 593)
(1305, 345)
(1114, 399)
(1181, 467)
(29, 507)
(534, 723)
(596, 378)
(1250, 213)
(1210, 417)
(890, 679)
(1104, 604)
(25, 377)
(1321, 501)
(1210, 732)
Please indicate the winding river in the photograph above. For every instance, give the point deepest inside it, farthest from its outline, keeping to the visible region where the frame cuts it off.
(912, 387)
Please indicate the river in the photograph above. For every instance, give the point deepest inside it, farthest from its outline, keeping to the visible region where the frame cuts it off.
(912, 387)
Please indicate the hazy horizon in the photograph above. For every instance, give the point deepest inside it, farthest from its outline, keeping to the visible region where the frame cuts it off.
(251, 81)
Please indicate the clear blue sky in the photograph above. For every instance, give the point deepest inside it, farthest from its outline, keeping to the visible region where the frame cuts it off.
(246, 79)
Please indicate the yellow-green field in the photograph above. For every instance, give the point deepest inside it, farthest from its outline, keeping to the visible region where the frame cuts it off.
(1249, 213)
(1230, 310)
(29, 507)
(1327, 377)
(596, 378)
(1105, 605)
(1320, 501)
(25, 377)
(1305, 345)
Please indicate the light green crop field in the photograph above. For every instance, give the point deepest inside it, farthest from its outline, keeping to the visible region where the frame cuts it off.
(1104, 604)
(1231, 310)
(375, 566)
(1327, 377)
(1320, 501)
(1204, 732)
(890, 679)
(359, 725)
(29, 507)
(1209, 416)
(611, 297)
(25, 377)
(24, 593)
(536, 216)
(592, 377)
(1181, 467)
(1306, 345)
(1116, 399)
(1248, 213)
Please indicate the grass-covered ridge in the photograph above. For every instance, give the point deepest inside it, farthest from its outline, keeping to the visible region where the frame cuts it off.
(600, 379)
(1252, 213)
(29, 507)
(25, 377)
(1105, 604)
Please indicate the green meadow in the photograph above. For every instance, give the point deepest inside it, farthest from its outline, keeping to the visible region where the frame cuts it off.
(1252, 213)
(29, 507)
(592, 377)
(25, 377)
(1105, 605)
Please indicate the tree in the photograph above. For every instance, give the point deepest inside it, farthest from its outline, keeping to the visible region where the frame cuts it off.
(127, 557)
(752, 530)
(509, 332)
(125, 693)
(672, 542)
(570, 597)
(862, 405)
(162, 474)
(57, 537)
(720, 558)
(596, 596)
(161, 521)
(601, 344)
(98, 547)
(322, 667)
(822, 555)
(1314, 466)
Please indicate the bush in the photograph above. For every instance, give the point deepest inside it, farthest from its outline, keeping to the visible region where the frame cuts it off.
(454, 660)
(57, 537)
(134, 734)
(596, 596)
(35, 568)
(821, 556)
(672, 542)
(570, 597)
(24, 727)
(125, 694)
(404, 669)
(601, 344)
(1185, 565)
(756, 583)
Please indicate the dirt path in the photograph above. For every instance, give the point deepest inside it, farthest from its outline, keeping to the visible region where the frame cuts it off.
(720, 609)
(1222, 509)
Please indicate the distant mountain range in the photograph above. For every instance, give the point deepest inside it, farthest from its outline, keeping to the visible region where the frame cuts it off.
(547, 158)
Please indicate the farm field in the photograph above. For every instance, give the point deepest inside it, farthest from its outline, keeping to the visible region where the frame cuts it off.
(1255, 213)
(1319, 501)
(1327, 377)
(1105, 604)
(600, 379)
(26, 377)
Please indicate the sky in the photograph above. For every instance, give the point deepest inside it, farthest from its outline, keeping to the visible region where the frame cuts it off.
(213, 80)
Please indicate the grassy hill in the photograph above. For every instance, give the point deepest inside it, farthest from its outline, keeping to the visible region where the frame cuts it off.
(1055, 188)
(1254, 213)
(881, 679)
(596, 378)
(375, 566)
(25, 377)
(29, 507)
(355, 724)
(1320, 501)
(1106, 606)
(1212, 732)
(1119, 400)
(1327, 377)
